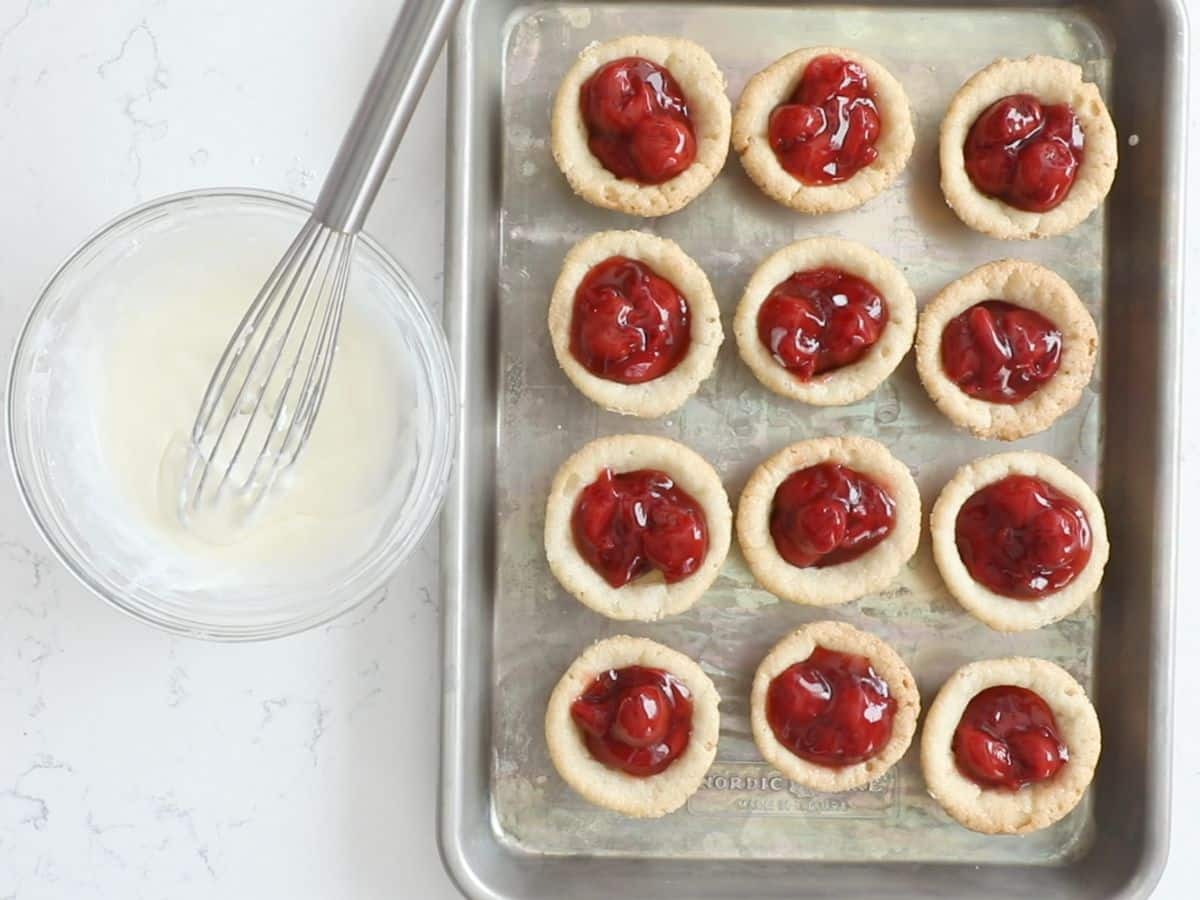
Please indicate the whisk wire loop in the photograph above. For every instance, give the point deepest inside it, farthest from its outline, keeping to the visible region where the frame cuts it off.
(307, 286)
(294, 317)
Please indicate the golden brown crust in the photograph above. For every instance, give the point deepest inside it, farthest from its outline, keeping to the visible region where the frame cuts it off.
(797, 647)
(667, 259)
(1035, 806)
(658, 794)
(848, 384)
(649, 597)
(875, 569)
(703, 85)
(772, 86)
(1006, 613)
(1030, 286)
(1052, 81)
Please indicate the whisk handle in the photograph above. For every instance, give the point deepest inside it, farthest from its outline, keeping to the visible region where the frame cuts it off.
(396, 85)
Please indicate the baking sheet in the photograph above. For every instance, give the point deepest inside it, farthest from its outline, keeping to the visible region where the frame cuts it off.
(746, 809)
(510, 827)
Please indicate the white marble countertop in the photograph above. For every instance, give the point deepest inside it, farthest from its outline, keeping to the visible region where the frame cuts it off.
(133, 764)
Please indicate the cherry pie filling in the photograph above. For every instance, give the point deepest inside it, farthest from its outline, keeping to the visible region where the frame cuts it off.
(1022, 538)
(1000, 353)
(821, 319)
(637, 121)
(1008, 738)
(630, 523)
(636, 719)
(832, 709)
(1024, 152)
(826, 131)
(628, 324)
(829, 514)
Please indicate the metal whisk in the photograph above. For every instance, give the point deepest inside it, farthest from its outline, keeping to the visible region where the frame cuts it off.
(265, 393)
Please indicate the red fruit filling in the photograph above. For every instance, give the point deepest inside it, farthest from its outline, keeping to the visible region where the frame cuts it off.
(829, 514)
(1008, 738)
(832, 709)
(1024, 153)
(627, 524)
(827, 129)
(1022, 538)
(821, 320)
(636, 719)
(628, 324)
(999, 352)
(637, 121)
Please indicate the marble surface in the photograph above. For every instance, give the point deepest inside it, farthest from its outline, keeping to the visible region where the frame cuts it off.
(133, 764)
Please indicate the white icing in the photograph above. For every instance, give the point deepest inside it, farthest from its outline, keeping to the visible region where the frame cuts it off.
(145, 371)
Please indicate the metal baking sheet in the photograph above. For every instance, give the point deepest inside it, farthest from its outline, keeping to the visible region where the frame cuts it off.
(510, 826)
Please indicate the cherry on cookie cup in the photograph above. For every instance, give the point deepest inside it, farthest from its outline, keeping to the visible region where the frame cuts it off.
(637, 527)
(1010, 746)
(833, 707)
(1020, 540)
(829, 520)
(633, 725)
(641, 124)
(825, 321)
(1005, 350)
(634, 322)
(823, 129)
(1028, 149)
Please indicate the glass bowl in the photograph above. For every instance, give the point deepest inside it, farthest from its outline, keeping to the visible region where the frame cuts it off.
(60, 484)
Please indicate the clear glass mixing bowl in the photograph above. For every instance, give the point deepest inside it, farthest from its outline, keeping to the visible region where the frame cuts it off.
(55, 479)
